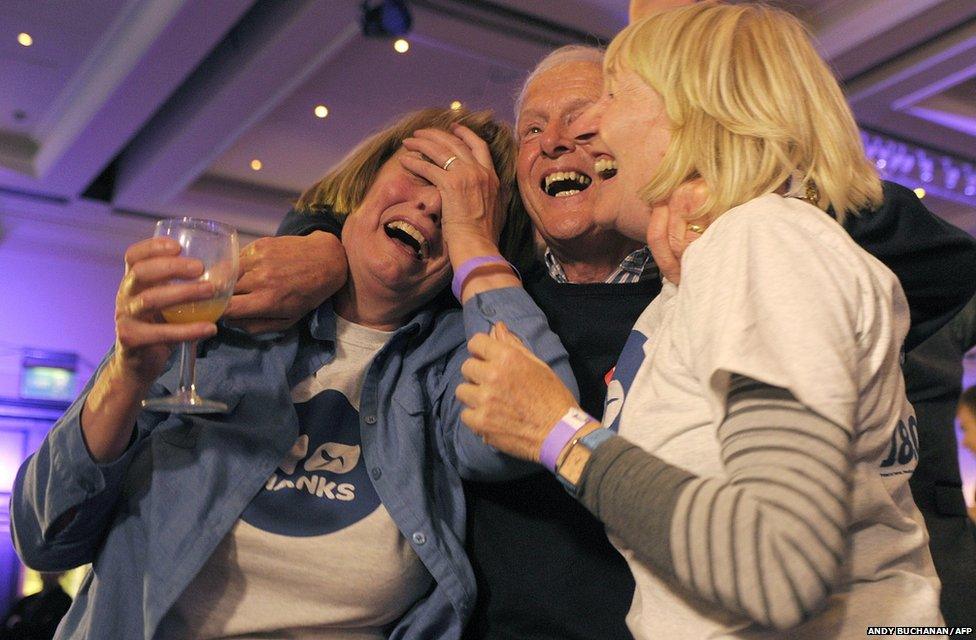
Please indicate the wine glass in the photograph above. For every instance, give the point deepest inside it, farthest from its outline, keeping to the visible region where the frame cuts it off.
(215, 245)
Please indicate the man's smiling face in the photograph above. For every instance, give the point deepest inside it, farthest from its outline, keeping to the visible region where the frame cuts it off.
(555, 175)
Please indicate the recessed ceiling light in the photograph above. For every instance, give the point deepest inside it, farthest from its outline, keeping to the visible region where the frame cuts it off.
(321, 111)
(920, 192)
(456, 105)
(256, 164)
(25, 39)
(401, 46)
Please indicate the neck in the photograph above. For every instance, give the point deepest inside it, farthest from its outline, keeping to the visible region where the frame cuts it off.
(593, 262)
(385, 315)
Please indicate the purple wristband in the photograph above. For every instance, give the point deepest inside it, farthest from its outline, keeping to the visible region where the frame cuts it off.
(560, 435)
(469, 265)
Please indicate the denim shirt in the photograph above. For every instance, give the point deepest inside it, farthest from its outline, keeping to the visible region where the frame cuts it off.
(149, 520)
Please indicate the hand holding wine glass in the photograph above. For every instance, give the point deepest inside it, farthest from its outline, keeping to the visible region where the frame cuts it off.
(212, 250)
(159, 275)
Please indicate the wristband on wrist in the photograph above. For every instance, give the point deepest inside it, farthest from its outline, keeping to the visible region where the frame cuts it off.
(560, 435)
(461, 273)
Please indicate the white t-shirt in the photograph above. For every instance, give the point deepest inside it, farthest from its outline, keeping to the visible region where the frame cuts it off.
(776, 291)
(315, 554)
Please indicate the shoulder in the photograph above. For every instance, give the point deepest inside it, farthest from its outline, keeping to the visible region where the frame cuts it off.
(774, 217)
(772, 229)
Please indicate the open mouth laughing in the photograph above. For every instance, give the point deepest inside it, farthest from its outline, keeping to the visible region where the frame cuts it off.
(562, 184)
(605, 167)
(410, 236)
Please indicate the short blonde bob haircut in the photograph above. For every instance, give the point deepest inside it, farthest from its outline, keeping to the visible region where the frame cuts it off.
(751, 105)
(343, 188)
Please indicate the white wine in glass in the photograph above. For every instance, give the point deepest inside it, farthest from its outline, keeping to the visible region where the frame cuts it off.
(215, 245)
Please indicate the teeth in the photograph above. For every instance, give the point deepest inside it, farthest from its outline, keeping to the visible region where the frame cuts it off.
(414, 233)
(605, 166)
(566, 194)
(582, 178)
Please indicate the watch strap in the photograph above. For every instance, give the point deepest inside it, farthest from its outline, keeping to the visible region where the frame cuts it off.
(570, 472)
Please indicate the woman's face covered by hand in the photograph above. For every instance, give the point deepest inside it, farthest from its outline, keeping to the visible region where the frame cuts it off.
(393, 239)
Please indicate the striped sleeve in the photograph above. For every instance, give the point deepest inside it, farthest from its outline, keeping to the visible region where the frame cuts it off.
(767, 538)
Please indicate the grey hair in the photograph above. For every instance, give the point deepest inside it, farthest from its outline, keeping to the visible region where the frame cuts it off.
(562, 55)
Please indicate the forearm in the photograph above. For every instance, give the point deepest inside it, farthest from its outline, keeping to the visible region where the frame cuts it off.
(330, 257)
(776, 519)
(62, 500)
(300, 224)
(110, 411)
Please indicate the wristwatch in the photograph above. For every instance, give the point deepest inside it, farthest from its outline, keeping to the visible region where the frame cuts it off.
(571, 470)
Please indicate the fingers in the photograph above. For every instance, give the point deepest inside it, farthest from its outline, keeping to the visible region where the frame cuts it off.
(500, 332)
(484, 347)
(158, 270)
(243, 306)
(659, 243)
(477, 371)
(426, 170)
(441, 145)
(436, 152)
(252, 254)
(251, 281)
(468, 394)
(687, 222)
(149, 248)
(677, 229)
(154, 299)
(479, 148)
(133, 334)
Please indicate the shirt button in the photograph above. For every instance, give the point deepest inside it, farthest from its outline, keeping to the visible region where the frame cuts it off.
(376, 472)
(419, 538)
(370, 419)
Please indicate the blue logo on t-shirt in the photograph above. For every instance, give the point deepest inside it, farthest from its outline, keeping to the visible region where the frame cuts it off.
(623, 376)
(321, 486)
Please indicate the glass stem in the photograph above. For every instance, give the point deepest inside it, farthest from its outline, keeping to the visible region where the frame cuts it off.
(188, 363)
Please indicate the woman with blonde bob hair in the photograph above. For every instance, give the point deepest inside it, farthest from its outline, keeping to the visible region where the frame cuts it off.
(327, 502)
(756, 445)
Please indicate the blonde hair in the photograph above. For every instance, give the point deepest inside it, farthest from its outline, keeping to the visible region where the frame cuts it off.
(343, 188)
(751, 105)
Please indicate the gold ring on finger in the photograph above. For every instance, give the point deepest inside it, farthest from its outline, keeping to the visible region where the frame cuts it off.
(447, 163)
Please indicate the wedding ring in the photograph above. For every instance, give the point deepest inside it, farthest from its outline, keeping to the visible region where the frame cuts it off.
(448, 163)
(696, 228)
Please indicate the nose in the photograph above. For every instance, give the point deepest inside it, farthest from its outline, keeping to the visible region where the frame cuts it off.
(555, 142)
(428, 200)
(586, 126)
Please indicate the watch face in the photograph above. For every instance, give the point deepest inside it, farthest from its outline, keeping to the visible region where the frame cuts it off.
(572, 467)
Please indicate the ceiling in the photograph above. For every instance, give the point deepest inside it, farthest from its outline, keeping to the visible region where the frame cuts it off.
(123, 109)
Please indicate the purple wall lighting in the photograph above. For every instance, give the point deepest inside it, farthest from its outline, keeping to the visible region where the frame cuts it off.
(23, 425)
(939, 174)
